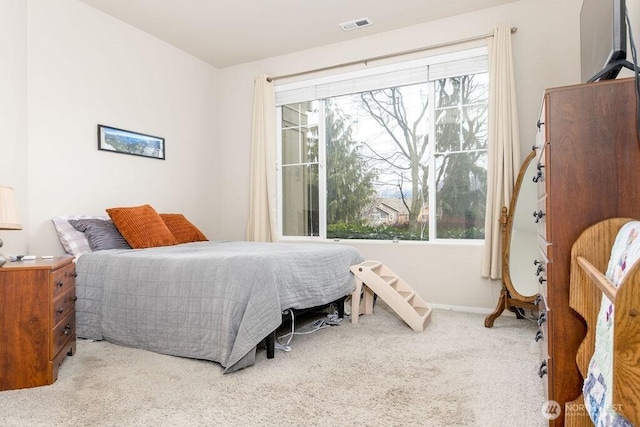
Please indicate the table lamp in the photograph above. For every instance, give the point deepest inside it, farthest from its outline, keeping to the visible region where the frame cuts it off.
(9, 214)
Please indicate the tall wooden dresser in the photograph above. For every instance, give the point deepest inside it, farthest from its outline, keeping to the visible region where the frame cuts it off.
(37, 320)
(589, 163)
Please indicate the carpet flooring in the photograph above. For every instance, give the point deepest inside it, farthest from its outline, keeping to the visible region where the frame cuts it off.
(378, 372)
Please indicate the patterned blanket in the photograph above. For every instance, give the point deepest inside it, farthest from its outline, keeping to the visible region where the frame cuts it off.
(597, 385)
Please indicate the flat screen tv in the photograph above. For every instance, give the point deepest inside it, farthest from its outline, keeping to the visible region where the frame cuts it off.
(603, 39)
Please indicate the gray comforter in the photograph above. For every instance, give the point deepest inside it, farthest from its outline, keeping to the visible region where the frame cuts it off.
(206, 300)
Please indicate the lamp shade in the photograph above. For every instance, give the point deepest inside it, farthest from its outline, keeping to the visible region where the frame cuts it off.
(9, 214)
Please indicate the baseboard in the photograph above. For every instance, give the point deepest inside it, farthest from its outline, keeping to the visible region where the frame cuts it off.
(478, 310)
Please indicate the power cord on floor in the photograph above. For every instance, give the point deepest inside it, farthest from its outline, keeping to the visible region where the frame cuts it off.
(524, 314)
(331, 320)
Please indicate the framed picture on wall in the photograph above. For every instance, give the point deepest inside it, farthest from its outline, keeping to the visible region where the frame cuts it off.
(128, 142)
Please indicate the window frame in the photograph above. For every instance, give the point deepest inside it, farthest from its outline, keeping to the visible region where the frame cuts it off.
(304, 86)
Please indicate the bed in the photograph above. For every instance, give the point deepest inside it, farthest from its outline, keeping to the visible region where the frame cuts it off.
(211, 300)
(605, 291)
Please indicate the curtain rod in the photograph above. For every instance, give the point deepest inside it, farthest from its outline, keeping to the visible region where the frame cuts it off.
(391, 55)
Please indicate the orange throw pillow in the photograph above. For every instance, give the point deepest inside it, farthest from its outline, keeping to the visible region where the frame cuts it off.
(141, 227)
(183, 230)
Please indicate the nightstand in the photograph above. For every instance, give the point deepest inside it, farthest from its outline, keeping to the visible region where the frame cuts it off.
(37, 320)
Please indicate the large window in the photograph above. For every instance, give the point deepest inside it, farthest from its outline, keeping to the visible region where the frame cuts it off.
(400, 154)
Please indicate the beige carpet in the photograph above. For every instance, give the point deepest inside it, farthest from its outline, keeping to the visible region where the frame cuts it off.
(376, 373)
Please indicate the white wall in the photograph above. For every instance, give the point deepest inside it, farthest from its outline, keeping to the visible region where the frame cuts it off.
(85, 68)
(546, 54)
(68, 67)
(13, 113)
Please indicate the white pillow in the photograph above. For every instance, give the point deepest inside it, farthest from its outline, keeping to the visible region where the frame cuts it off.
(73, 241)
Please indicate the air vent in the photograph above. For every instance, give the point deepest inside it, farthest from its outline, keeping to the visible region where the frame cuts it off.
(357, 23)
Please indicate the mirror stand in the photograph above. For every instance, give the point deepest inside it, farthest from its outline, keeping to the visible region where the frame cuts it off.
(506, 300)
(510, 298)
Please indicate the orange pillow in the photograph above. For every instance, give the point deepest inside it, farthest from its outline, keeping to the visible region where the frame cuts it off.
(182, 229)
(141, 227)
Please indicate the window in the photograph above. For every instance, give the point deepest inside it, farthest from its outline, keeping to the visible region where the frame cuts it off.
(397, 152)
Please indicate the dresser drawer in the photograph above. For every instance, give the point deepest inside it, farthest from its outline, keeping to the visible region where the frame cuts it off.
(63, 279)
(544, 248)
(62, 333)
(63, 305)
(540, 216)
(540, 176)
(541, 273)
(543, 319)
(542, 339)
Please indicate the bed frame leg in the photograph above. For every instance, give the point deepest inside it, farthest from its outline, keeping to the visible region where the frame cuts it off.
(271, 345)
(340, 304)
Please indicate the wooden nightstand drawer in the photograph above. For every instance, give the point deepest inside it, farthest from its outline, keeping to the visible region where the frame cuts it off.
(64, 279)
(63, 305)
(62, 333)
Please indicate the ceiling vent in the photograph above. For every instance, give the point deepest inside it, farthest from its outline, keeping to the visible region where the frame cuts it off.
(357, 23)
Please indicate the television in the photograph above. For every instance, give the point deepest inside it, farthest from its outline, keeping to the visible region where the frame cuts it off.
(603, 39)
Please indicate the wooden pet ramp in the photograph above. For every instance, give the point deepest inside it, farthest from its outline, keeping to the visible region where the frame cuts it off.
(376, 278)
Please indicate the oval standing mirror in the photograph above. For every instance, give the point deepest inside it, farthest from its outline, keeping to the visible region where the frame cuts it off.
(519, 247)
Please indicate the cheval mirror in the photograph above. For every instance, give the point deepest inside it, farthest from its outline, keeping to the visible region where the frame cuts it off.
(519, 247)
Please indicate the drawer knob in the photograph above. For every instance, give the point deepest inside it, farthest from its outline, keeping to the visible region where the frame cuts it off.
(538, 215)
(542, 318)
(537, 176)
(60, 310)
(59, 284)
(541, 280)
(538, 299)
(539, 270)
(543, 369)
(75, 298)
(538, 336)
(67, 330)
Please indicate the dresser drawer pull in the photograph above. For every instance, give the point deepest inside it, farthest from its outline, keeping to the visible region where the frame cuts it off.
(537, 176)
(60, 310)
(539, 124)
(538, 299)
(539, 270)
(538, 336)
(541, 280)
(74, 274)
(542, 318)
(67, 330)
(538, 215)
(60, 284)
(74, 299)
(543, 369)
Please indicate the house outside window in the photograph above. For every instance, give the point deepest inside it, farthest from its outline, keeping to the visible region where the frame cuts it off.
(393, 153)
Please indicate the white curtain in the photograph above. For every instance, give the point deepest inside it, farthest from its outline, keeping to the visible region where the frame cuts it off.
(504, 146)
(261, 226)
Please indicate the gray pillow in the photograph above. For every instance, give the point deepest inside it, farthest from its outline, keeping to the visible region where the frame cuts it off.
(101, 234)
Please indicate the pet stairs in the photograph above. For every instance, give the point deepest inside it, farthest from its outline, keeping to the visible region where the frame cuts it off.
(376, 278)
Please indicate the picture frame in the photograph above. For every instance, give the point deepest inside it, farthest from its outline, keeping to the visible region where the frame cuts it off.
(124, 141)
